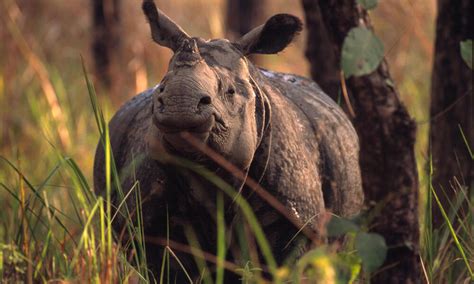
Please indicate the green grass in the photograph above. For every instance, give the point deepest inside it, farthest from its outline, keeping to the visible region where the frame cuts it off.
(447, 252)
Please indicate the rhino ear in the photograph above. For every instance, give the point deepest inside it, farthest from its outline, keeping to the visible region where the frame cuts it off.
(271, 37)
(164, 31)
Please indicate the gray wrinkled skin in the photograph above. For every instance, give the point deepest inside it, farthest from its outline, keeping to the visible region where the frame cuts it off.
(279, 129)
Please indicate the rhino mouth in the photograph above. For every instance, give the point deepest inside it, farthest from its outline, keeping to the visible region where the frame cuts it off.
(200, 127)
(175, 140)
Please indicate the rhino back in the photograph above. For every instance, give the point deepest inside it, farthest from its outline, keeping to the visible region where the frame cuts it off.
(336, 139)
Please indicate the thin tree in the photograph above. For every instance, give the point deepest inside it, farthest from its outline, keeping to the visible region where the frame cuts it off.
(243, 16)
(387, 138)
(320, 52)
(106, 40)
(452, 104)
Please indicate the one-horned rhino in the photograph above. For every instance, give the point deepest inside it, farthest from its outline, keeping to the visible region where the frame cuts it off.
(279, 130)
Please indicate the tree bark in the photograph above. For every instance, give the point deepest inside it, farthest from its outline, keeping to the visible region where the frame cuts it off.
(320, 52)
(106, 40)
(387, 138)
(452, 104)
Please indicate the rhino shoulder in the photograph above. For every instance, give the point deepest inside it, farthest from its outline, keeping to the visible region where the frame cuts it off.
(123, 128)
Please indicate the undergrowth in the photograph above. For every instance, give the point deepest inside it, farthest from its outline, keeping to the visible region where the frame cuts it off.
(54, 227)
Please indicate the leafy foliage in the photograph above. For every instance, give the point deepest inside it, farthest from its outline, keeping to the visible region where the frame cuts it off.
(466, 51)
(362, 52)
(372, 250)
(327, 267)
(367, 4)
(338, 226)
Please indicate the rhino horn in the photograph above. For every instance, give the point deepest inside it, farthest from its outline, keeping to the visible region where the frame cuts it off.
(188, 54)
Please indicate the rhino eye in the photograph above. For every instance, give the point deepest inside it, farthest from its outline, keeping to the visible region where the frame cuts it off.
(231, 91)
(162, 88)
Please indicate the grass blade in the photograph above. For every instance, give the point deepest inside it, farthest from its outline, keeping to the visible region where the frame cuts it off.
(453, 233)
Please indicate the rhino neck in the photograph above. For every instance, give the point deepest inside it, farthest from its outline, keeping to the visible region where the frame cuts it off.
(262, 105)
(263, 114)
(259, 161)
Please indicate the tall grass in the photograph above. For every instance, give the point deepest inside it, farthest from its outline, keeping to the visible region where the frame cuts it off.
(53, 226)
(447, 254)
(56, 227)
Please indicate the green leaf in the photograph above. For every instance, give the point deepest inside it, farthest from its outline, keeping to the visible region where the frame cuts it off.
(466, 51)
(367, 4)
(372, 249)
(389, 82)
(348, 267)
(362, 52)
(338, 226)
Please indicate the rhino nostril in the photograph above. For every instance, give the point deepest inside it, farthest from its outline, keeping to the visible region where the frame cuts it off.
(206, 100)
(160, 102)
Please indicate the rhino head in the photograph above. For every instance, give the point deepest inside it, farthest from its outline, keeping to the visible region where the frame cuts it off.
(211, 90)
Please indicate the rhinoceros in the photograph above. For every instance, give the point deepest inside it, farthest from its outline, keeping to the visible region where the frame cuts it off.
(279, 130)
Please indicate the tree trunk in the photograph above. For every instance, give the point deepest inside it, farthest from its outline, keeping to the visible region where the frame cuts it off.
(320, 52)
(387, 138)
(452, 103)
(242, 17)
(106, 41)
